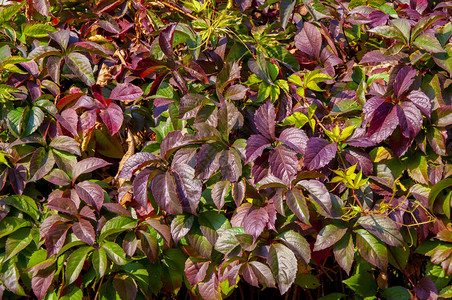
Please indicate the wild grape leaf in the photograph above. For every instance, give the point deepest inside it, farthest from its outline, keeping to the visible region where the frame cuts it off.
(421, 100)
(200, 243)
(436, 140)
(403, 80)
(264, 119)
(284, 266)
(319, 193)
(249, 276)
(188, 188)
(114, 252)
(297, 204)
(42, 163)
(383, 122)
(149, 246)
(255, 221)
(162, 229)
(390, 32)
(91, 193)
(319, 153)
(328, 236)
(229, 118)
(64, 205)
(112, 117)
(372, 249)
(137, 162)
(210, 289)
(309, 40)
(140, 186)
(230, 165)
(255, 145)
(55, 238)
(383, 228)
(65, 143)
(84, 231)
(126, 92)
(41, 281)
(283, 163)
(88, 165)
(212, 224)
(190, 104)
(286, 9)
(344, 252)
(428, 42)
(298, 244)
(164, 191)
(166, 40)
(219, 192)
(410, 119)
(69, 120)
(75, 263)
(180, 226)
(207, 160)
(294, 138)
(80, 65)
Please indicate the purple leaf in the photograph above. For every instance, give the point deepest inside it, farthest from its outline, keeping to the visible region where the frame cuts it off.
(91, 193)
(188, 188)
(371, 106)
(297, 204)
(42, 7)
(61, 37)
(116, 208)
(264, 119)
(328, 236)
(238, 192)
(236, 92)
(140, 186)
(166, 40)
(112, 117)
(319, 153)
(255, 145)
(420, 99)
(137, 162)
(383, 123)
(240, 213)
(195, 270)
(84, 231)
(283, 163)
(207, 160)
(219, 192)
(284, 266)
(344, 252)
(229, 118)
(190, 104)
(360, 158)
(298, 244)
(309, 40)
(126, 92)
(68, 119)
(403, 80)
(64, 205)
(173, 141)
(41, 281)
(55, 238)
(410, 119)
(383, 228)
(58, 177)
(88, 213)
(88, 165)
(261, 167)
(42, 163)
(249, 276)
(319, 192)
(230, 165)
(426, 289)
(378, 56)
(164, 191)
(65, 143)
(180, 226)
(88, 120)
(255, 221)
(149, 246)
(125, 286)
(294, 138)
(209, 290)
(162, 228)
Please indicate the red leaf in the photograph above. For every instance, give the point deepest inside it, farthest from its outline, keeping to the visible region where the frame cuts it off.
(403, 80)
(264, 119)
(136, 162)
(383, 123)
(140, 186)
(309, 40)
(84, 231)
(91, 193)
(126, 92)
(319, 153)
(195, 270)
(41, 281)
(164, 191)
(209, 290)
(410, 119)
(255, 222)
(166, 40)
(112, 117)
(55, 238)
(88, 165)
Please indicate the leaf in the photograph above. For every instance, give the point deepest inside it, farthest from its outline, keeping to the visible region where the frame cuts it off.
(200, 243)
(318, 153)
(91, 193)
(23, 203)
(383, 122)
(41, 281)
(428, 43)
(230, 165)
(88, 165)
(264, 119)
(164, 191)
(363, 284)
(396, 293)
(425, 289)
(295, 139)
(9, 275)
(84, 231)
(383, 228)
(284, 266)
(403, 80)
(212, 225)
(116, 225)
(65, 143)
(219, 192)
(195, 270)
(42, 7)
(283, 163)
(437, 189)
(286, 10)
(80, 65)
(236, 92)
(112, 117)
(16, 242)
(99, 262)
(114, 253)
(344, 252)
(328, 236)
(297, 118)
(140, 186)
(410, 119)
(443, 115)
(75, 263)
(137, 162)
(209, 289)
(180, 226)
(125, 286)
(56, 237)
(255, 222)
(34, 120)
(229, 118)
(297, 244)
(37, 30)
(166, 40)
(61, 37)
(263, 273)
(372, 249)
(126, 92)
(149, 246)
(319, 193)
(41, 164)
(309, 40)
(238, 192)
(188, 188)
(297, 204)
(255, 146)
(389, 32)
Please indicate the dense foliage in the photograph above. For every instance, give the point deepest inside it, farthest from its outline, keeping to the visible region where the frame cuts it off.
(212, 148)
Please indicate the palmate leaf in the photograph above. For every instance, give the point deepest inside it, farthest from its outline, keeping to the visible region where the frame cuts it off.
(230, 165)
(428, 43)
(125, 286)
(16, 242)
(421, 100)
(212, 224)
(209, 289)
(318, 153)
(319, 193)
(383, 228)
(140, 186)
(255, 222)
(80, 65)
(56, 237)
(284, 266)
(65, 143)
(34, 120)
(42, 163)
(188, 188)
(372, 249)
(294, 138)
(180, 226)
(195, 270)
(219, 192)
(84, 231)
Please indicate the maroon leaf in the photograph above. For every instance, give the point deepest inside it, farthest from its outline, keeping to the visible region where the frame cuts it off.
(91, 193)
(42, 7)
(383, 228)
(149, 246)
(140, 186)
(180, 226)
(219, 192)
(64, 205)
(188, 188)
(360, 158)
(87, 213)
(410, 119)
(297, 204)
(116, 208)
(319, 193)
(383, 123)
(197, 71)
(164, 191)
(255, 221)
(88, 120)
(195, 270)
(403, 80)
(261, 167)
(230, 165)
(264, 119)
(173, 141)
(49, 222)
(125, 286)
(421, 100)
(112, 117)
(41, 281)
(240, 213)
(255, 145)
(126, 92)
(249, 276)
(294, 138)
(236, 92)
(87, 166)
(55, 238)
(283, 163)
(136, 162)
(238, 192)
(61, 37)
(84, 231)
(162, 228)
(41, 164)
(65, 143)
(309, 40)
(344, 252)
(207, 160)
(166, 40)
(426, 289)
(319, 153)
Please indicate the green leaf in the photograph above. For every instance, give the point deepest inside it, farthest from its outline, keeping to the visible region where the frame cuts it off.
(34, 120)
(307, 281)
(298, 244)
(333, 296)
(436, 189)
(284, 266)
(9, 276)
(38, 30)
(297, 118)
(75, 263)
(344, 252)
(16, 242)
(74, 294)
(372, 249)
(363, 284)
(383, 228)
(99, 261)
(10, 224)
(328, 236)
(114, 253)
(80, 65)
(396, 293)
(446, 292)
(429, 43)
(24, 204)
(9, 11)
(389, 32)
(116, 225)
(15, 119)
